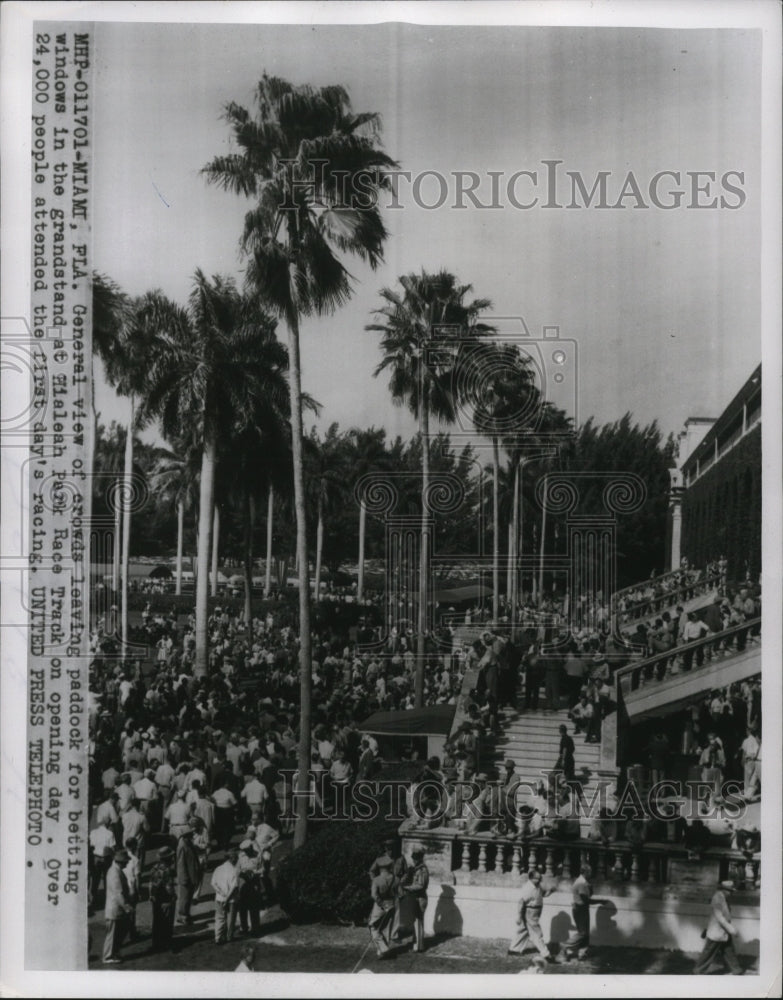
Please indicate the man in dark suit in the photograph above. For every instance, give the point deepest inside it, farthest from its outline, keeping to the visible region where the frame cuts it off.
(188, 875)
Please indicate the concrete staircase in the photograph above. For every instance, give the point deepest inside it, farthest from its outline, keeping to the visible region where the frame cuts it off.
(532, 740)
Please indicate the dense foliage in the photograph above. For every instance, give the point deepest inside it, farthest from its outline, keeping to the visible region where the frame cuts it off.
(328, 878)
(337, 461)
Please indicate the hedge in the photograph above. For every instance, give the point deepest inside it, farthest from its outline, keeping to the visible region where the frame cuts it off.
(327, 879)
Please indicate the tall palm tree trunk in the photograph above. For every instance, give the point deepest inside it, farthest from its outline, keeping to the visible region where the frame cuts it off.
(305, 663)
(495, 532)
(206, 494)
(319, 545)
(117, 547)
(510, 550)
(515, 523)
(215, 545)
(424, 430)
(543, 545)
(250, 523)
(180, 541)
(269, 512)
(126, 519)
(362, 530)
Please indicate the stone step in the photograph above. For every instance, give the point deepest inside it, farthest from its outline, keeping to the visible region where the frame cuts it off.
(527, 752)
(537, 728)
(524, 755)
(540, 736)
(538, 718)
(539, 733)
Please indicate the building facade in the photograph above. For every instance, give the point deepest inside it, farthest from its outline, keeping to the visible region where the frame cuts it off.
(717, 494)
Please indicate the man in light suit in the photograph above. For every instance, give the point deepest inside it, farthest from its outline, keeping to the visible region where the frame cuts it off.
(118, 907)
(719, 936)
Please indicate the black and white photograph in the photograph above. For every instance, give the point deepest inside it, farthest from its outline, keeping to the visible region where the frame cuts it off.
(391, 551)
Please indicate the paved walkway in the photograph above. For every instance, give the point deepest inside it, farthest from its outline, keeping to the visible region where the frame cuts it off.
(283, 947)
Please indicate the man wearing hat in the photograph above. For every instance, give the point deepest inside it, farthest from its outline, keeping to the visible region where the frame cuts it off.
(480, 809)
(582, 892)
(118, 907)
(414, 887)
(531, 903)
(178, 814)
(399, 864)
(719, 936)
(384, 899)
(146, 791)
(163, 896)
(225, 882)
(509, 782)
(188, 874)
(249, 871)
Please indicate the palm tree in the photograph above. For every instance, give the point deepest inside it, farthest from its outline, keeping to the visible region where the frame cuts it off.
(175, 478)
(213, 364)
(327, 474)
(369, 447)
(258, 460)
(125, 356)
(111, 310)
(504, 383)
(295, 158)
(111, 314)
(537, 452)
(412, 321)
(109, 446)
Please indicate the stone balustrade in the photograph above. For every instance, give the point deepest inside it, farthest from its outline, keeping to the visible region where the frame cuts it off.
(485, 858)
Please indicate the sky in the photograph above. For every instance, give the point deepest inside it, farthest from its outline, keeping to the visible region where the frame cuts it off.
(663, 307)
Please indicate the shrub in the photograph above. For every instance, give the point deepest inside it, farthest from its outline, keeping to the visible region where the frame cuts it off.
(328, 878)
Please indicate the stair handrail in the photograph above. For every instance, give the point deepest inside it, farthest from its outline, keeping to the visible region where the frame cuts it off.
(655, 606)
(627, 678)
(652, 580)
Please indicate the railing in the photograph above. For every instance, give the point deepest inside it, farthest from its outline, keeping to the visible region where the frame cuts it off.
(727, 443)
(650, 607)
(658, 668)
(663, 578)
(615, 861)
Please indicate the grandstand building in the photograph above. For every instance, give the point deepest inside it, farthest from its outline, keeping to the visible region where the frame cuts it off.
(669, 709)
(715, 507)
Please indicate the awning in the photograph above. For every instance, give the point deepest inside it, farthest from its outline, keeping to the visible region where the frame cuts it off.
(435, 720)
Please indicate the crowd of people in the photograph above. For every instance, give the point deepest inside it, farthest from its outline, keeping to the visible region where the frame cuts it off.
(191, 764)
